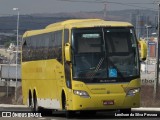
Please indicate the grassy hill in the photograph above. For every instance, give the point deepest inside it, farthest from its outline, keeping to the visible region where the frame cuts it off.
(38, 21)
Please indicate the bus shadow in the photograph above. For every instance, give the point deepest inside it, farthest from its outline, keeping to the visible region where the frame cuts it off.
(102, 115)
(77, 115)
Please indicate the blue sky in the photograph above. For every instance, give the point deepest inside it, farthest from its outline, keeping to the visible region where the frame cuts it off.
(56, 6)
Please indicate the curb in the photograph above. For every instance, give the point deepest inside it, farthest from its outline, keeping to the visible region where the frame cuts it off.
(12, 106)
(133, 109)
(146, 109)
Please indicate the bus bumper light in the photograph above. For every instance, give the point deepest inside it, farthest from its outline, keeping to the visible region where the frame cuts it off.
(81, 93)
(132, 92)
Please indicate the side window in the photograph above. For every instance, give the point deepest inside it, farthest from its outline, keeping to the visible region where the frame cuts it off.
(36, 47)
(46, 41)
(58, 46)
(40, 43)
(66, 36)
(24, 50)
(51, 46)
(58, 38)
(29, 49)
(42, 47)
(33, 47)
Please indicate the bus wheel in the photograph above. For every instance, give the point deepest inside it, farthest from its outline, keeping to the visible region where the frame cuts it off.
(35, 103)
(125, 111)
(30, 103)
(68, 113)
(88, 113)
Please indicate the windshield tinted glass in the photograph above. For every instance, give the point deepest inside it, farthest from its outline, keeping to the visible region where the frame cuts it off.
(122, 52)
(104, 53)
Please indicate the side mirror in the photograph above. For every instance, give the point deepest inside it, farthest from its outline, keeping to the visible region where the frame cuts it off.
(142, 50)
(68, 52)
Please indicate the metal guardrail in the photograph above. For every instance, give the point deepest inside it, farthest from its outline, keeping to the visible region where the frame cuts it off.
(10, 83)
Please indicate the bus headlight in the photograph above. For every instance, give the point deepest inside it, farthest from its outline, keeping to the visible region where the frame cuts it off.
(132, 92)
(81, 93)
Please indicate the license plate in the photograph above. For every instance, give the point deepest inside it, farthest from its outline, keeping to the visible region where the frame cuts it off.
(108, 102)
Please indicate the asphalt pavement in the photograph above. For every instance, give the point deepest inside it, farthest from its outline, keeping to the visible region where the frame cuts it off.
(24, 113)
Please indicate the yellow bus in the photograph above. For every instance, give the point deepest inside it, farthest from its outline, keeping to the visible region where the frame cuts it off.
(81, 65)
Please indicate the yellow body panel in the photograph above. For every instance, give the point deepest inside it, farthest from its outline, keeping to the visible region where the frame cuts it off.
(44, 77)
(143, 49)
(102, 92)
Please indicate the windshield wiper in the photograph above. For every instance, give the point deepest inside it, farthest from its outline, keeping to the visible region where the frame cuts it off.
(99, 64)
(97, 68)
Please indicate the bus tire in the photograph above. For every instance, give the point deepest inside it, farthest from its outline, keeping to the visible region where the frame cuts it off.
(125, 111)
(30, 103)
(35, 107)
(68, 113)
(88, 113)
(63, 101)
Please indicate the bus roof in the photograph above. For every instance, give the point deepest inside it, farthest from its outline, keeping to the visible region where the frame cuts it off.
(77, 23)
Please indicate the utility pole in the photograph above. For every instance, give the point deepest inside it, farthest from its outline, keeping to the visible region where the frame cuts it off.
(147, 41)
(17, 9)
(156, 82)
(105, 16)
(137, 24)
(105, 11)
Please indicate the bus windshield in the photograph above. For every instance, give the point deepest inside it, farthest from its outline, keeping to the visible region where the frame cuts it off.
(104, 54)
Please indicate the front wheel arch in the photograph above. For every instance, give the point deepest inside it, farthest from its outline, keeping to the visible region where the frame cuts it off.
(63, 98)
(30, 102)
(35, 102)
(68, 113)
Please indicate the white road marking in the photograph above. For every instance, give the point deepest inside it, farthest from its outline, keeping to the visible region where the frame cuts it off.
(42, 118)
(12, 106)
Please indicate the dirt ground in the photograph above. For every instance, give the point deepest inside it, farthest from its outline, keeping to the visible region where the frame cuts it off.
(11, 97)
(146, 97)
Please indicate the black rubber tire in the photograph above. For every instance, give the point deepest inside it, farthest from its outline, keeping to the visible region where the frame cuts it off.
(125, 111)
(88, 113)
(35, 107)
(68, 113)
